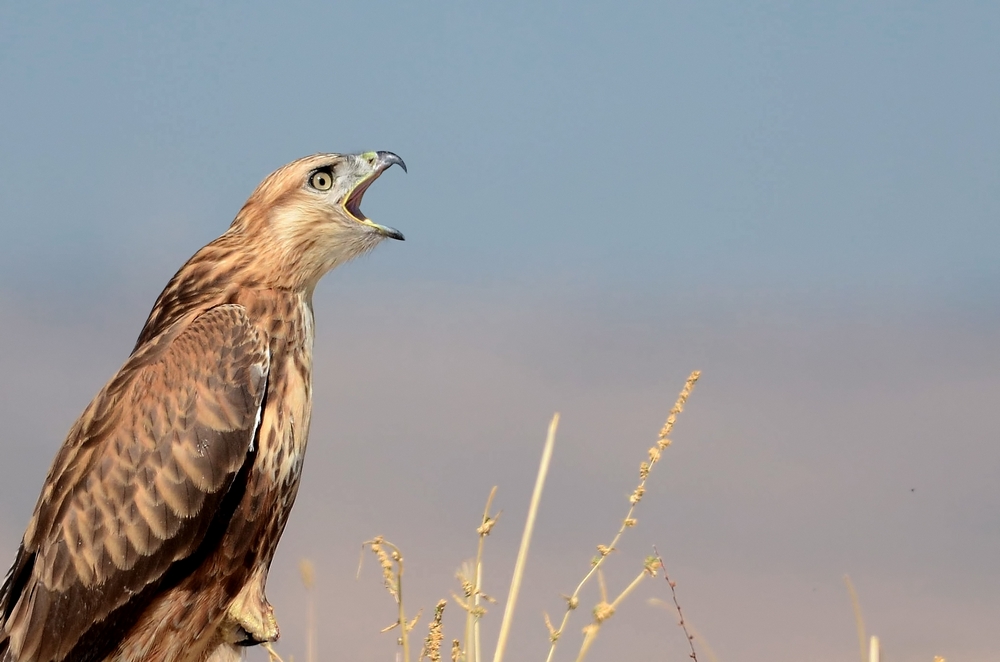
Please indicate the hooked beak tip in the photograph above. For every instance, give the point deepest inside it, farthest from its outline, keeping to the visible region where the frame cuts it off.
(388, 159)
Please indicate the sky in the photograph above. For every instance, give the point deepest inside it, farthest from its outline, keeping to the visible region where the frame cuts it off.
(799, 199)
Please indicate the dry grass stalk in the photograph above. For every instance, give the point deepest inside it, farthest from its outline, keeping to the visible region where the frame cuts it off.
(677, 605)
(391, 563)
(706, 648)
(472, 587)
(874, 650)
(859, 620)
(663, 440)
(308, 573)
(522, 554)
(605, 610)
(272, 655)
(390, 559)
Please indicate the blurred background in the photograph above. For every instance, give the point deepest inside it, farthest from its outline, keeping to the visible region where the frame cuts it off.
(799, 200)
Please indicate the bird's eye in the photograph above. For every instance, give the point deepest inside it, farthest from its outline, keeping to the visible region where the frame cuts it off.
(321, 180)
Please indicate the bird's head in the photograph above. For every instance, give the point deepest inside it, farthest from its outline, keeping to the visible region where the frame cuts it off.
(305, 218)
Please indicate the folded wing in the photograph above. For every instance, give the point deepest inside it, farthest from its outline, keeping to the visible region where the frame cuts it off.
(144, 482)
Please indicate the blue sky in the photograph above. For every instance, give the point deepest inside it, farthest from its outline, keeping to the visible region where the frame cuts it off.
(834, 147)
(799, 198)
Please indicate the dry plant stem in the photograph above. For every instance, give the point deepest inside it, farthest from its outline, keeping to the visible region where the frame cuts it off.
(271, 654)
(403, 625)
(311, 628)
(607, 611)
(874, 650)
(472, 615)
(677, 605)
(663, 441)
(706, 648)
(308, 573)
(522, 554)
(396, 589)
(859, 620)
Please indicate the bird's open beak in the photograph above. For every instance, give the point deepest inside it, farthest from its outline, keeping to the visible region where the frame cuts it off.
(381, 161)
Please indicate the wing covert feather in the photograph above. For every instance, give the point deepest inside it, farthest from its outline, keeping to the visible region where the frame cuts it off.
(137, 483)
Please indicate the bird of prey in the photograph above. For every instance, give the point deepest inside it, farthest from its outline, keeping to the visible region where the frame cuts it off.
(158, 519)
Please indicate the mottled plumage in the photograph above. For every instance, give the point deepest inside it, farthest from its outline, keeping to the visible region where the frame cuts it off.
(156, 526)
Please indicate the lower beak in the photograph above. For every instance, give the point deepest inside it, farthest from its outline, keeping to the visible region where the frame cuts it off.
(391, 233)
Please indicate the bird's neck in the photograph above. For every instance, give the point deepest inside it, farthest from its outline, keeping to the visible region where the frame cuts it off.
(218, 274)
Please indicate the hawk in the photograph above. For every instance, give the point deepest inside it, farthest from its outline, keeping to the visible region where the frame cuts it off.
(160, 515)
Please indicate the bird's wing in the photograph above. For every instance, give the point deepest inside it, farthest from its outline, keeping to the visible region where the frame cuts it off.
(147, 479)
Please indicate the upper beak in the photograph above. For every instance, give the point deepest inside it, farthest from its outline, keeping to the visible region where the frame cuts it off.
(388, 159)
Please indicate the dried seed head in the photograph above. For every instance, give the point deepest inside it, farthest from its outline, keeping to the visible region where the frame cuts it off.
(308, 573)
(603, 611)
(487, 525)
(464, 604)
(553, 633)
(678, 407)
(435, 635)
(464, 575)
(385, 562)
(650, 565)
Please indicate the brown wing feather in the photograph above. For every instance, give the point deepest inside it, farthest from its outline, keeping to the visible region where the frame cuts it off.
(136, 487)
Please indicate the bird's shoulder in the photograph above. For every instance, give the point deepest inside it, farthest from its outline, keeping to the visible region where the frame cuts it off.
(205, 364)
